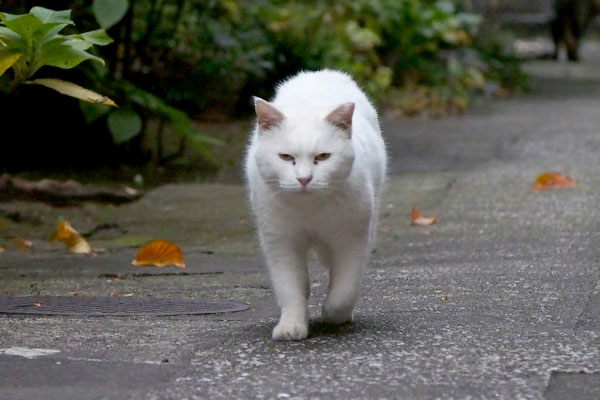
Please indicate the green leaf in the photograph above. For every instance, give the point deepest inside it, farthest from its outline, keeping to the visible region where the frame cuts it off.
(202, 143)
(363, 39)
(446, 6)
(176, 118)
(7, 60)
(47, 16)
(12, 40)
(24, 25)
(124, 124)
(73, 90)
(47, 32)
(109, 12)
(98, 37)
(8, 34)
(63, 53)
(7, 17)
(78, 44)
(92, 111)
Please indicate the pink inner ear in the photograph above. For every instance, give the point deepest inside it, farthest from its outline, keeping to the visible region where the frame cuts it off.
(268, 116)
(341, 117)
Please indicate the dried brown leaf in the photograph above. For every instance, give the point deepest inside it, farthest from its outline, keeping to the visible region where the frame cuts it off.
(418, 219)
(71, 238)
(552, 180)
(159, 253)
(24, 244)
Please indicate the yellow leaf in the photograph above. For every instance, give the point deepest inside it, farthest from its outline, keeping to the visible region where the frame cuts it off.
(71, 238)
(24, 244)
(418, 219)
(552, 180)
(73, 90)
(159, 253)
(7, 61)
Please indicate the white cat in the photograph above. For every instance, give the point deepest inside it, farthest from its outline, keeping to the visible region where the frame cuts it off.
(315, 168)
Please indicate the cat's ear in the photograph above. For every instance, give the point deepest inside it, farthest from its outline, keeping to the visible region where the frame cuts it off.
(341, 117)
(268, 116)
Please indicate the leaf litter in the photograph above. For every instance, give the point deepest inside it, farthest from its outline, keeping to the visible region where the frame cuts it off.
(418, 219)
(159, 253)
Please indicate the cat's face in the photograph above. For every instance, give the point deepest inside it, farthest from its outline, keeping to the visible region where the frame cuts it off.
(302, 153)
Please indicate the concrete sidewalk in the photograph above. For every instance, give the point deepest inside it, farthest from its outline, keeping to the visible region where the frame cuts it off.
(499, 299)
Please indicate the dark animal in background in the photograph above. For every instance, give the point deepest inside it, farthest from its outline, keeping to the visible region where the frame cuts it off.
(571, 21)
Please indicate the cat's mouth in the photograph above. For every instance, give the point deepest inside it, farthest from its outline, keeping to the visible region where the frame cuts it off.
(313, 187)
(301, 190)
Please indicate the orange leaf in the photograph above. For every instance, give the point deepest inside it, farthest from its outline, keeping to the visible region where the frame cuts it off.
(37, 303)
(552, 180)
(159, 253)
(24, 244)
(418, 219)
(71, 238)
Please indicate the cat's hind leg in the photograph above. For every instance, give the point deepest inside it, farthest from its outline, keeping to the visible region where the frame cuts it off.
(349, 256)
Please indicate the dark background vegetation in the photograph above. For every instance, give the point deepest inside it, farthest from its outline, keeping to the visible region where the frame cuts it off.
(204, 59)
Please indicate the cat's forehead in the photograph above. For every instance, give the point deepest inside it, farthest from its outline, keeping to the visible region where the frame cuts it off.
(306, 136)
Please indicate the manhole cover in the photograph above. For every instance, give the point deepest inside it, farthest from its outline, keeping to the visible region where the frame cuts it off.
(113, 306)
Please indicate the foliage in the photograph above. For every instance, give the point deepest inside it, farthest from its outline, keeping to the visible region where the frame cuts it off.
(138, 41)
(208, 57)
(31, 41)
(411, 54)
(408, 54)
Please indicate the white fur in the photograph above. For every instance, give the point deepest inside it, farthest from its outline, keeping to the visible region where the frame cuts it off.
(336, 214)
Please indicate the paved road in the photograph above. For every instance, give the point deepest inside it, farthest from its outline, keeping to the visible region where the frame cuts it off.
(499, 299)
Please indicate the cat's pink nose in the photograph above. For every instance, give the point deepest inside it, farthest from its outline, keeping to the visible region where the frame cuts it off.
(304, 181)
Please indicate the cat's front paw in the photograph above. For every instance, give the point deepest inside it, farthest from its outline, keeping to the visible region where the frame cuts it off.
(290, 330)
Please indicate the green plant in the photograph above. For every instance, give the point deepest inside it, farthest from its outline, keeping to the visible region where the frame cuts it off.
(138, 105)
(388, 45)
(31, 41)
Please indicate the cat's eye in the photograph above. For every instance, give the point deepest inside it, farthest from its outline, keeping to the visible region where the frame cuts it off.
(322, 157)
(286, 157)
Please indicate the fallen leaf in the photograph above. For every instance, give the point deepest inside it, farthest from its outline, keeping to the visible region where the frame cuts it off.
(445, 298)
(71, 238)
(24, 244)
(159, 253)
(552, 180)
(37, 303)
(418, 219)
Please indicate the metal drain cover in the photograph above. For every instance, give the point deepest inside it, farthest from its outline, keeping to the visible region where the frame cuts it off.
(113, 306)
